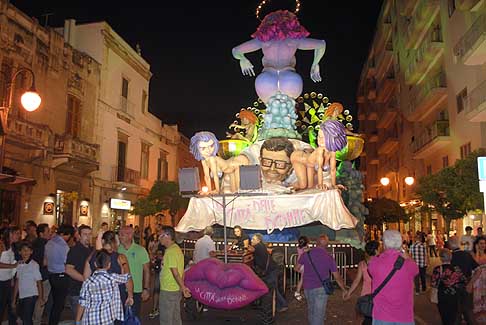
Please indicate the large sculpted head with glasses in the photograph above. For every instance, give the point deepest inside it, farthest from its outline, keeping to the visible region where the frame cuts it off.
(275, 159)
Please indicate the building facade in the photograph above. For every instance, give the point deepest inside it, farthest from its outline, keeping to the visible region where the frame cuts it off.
(136, 147)
(51, 152)
(421, 97)
(92, 148)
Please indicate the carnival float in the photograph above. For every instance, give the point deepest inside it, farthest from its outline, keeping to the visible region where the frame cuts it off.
(303, 143)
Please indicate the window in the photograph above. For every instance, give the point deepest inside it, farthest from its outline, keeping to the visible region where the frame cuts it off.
(451, 7)
(465, 150)
(73, 116)
(144, 162)
(124, 91)
(445, 161)
(162, 167)
(144, 101)
(429, 170)
(124, 95)
(461, 100)
(122, 157)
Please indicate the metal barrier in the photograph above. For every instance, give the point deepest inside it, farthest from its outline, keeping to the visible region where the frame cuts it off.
(339, 258)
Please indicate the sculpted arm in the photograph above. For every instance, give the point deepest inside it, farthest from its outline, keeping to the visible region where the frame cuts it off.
(207, 176)
(320, 163)
(239, 54)
(332, 163)
(319, 47)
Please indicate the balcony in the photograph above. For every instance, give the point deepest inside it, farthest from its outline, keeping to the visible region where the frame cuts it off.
(424, 15)
(372, 114)
(471, 48)
(426, 97)
(433, 138)
(476, 104)
(370, 89)
(390, 142)
(372, 154)
(28, 135)
(78, 154)
(384, 60)
(407, 7)
(385, 88)
(125, 175)
(360, 98)
(425, 57)
(388, 114)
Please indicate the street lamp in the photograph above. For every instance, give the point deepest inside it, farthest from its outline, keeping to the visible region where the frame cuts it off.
(30, 101)
(385, 181)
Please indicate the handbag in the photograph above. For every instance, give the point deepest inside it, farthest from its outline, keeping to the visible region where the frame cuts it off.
(130, 318)
(327, 284)
(365, 303)
(434, 292)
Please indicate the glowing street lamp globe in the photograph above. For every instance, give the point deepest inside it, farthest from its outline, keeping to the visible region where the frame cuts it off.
(30, 100)
(205, 189)
(385, 181)
(409, 180)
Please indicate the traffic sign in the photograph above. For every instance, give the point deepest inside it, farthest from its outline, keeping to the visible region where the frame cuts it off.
(482, 168)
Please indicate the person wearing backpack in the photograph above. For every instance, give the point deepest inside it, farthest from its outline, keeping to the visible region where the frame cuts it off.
(393, 304)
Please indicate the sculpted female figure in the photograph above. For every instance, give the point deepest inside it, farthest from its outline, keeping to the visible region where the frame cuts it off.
(279, 36)
(248, 125)
(331, 138)
(204, 147)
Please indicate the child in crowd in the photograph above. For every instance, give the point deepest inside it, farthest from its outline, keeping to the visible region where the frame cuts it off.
(28, 284)
(157, 262)
(302, 247)
(99, 299)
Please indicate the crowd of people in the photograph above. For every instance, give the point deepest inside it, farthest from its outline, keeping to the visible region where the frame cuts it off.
(43, 269)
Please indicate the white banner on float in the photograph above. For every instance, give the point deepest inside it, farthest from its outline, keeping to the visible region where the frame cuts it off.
(269, 212)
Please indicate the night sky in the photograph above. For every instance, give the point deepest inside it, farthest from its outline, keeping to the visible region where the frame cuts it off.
(196, 83)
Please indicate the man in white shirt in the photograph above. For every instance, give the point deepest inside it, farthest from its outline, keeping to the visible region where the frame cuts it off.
(205, 246)
(467, 240)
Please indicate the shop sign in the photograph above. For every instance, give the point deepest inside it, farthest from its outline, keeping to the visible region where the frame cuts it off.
(119, 204)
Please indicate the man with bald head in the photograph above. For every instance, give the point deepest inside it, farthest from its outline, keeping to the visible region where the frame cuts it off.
(139, 263)
(318, 260)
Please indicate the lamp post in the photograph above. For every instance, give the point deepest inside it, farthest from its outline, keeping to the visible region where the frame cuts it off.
(409, 180)
(30, 101)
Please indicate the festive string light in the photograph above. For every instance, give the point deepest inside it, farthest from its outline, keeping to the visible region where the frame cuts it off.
(264, 2)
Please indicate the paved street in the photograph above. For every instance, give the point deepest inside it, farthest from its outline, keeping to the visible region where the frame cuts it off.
(338, 312)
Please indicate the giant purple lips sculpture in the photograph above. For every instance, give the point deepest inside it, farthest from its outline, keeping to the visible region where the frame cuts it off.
(224, 286)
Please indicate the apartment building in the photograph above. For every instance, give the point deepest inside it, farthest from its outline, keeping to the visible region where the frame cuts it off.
(422, 97)
(136, 147)
(49, 154)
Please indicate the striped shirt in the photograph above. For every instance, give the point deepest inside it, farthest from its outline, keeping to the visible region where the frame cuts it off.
(101, 298)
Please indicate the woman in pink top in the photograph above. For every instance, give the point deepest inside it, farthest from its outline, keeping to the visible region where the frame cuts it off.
(371, 249)
(302, 247)
(479, 250)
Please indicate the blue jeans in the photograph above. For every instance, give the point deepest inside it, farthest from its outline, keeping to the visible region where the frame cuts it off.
(380, 322)
(271, 280)
(316, 305)
(27, 306)
(74, 302)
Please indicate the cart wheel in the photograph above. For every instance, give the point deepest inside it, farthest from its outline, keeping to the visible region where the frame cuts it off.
(268, 308)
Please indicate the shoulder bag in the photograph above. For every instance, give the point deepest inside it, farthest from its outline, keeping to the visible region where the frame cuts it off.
(327, 284)
(434, 292)
(365, 303)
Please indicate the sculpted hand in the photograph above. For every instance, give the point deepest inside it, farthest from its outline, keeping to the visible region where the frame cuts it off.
(315, 73)
(246, 67)
(341, 187)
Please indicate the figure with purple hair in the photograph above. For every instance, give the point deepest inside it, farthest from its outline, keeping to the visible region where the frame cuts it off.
(279, 36)
(331, 138)
(204, 147)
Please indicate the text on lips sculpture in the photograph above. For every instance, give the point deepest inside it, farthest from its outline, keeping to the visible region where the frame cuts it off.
(224, 286)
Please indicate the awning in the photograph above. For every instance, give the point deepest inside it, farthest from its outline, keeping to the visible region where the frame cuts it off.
(16, 180)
